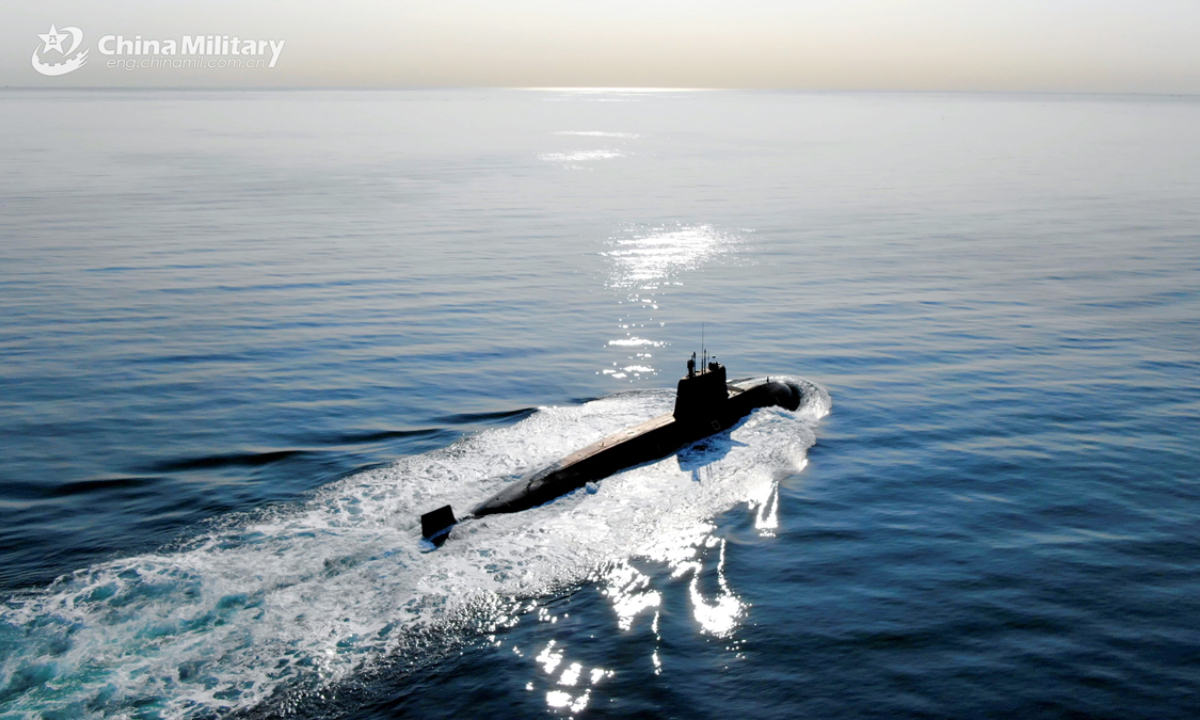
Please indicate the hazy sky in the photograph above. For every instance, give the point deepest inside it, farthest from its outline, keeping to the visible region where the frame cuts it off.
(1072, 45)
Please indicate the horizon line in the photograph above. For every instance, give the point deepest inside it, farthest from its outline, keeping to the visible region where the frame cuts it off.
(582, 89)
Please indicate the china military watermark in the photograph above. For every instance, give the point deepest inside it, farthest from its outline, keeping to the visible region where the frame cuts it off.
(59, 52)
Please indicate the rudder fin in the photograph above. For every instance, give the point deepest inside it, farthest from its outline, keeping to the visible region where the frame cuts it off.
(436, 522)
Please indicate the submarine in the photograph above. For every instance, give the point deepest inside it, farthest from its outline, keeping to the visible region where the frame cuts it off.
(705, 404)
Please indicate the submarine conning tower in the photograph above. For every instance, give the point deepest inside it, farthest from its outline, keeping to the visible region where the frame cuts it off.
(701, 394)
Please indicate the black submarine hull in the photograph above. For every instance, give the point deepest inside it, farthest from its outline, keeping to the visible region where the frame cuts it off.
(704, 406)
(645, 443)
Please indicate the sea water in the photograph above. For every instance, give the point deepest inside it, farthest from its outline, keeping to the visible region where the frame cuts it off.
(248, 337)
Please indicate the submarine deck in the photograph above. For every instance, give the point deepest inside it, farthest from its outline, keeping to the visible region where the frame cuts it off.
(626, 435)
(617, 438)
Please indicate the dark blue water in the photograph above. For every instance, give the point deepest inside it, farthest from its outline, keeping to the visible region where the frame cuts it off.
(248, 337)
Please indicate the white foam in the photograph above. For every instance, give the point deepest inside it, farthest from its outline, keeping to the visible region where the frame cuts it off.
(306, 595)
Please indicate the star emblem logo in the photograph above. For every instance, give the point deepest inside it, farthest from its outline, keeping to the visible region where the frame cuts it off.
(53, 39)
(64, 61)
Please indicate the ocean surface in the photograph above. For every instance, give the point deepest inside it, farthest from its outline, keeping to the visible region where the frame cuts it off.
(247, 338)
